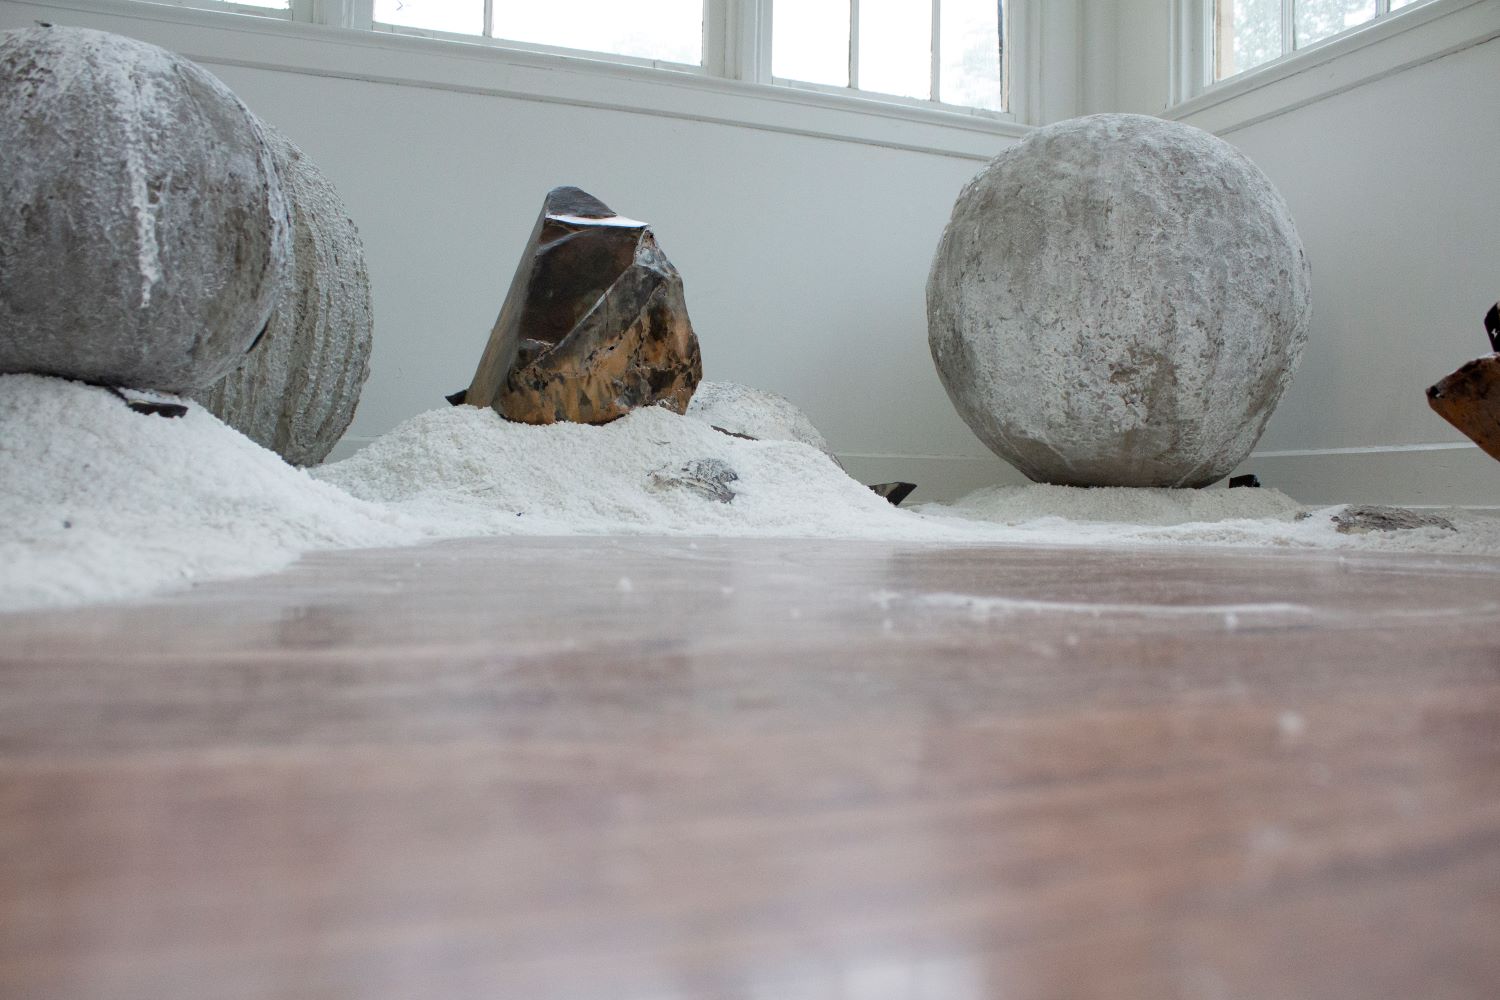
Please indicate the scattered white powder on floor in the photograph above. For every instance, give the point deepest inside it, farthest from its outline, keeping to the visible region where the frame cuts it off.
(98, 502)
(1066, 515)
(1122, 505)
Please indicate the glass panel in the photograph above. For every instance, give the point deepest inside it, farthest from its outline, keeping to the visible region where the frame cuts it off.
(1318, 19)
(273, 4)
(1401, 3)
(1246, 34)
(970, 73)
(895, 47)
(465, 17)
(810, 41)
(670, 30)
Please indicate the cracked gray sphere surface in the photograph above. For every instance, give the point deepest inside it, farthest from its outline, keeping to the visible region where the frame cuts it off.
(297, 390)
(143, 229)
(1119, 301)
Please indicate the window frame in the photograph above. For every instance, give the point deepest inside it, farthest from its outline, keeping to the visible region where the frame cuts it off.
(934, 74)
(1193, 41)
(1217, 39)
(736, 46)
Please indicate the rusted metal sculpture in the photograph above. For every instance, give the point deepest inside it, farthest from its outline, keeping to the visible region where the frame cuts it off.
(1469, 399)
(594, 326)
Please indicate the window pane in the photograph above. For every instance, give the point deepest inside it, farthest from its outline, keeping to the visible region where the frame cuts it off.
(1401, 3)
(810, 41)
(1318, 19)
(1247, 33)
(273, 4)
(895, 47)
(462, 16)
(670, 30)
(970, 49)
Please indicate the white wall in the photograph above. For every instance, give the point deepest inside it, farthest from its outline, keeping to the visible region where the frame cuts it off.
(804, 256)
(1395, 191)
(804, 233)
(1392, 181)
(804, 259)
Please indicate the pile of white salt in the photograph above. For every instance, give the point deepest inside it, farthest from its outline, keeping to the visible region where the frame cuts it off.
(98, 502)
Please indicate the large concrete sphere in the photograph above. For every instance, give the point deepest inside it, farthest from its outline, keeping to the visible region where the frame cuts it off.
(297, 390)
(1119, 301)
(143, 231)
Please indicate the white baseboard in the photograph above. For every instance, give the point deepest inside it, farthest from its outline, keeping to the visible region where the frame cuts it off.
(1429, 475)
(938, 477)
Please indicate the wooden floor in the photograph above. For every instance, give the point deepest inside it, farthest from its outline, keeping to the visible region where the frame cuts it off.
(642, 768)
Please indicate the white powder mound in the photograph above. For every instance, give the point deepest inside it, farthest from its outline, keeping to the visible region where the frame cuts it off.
(741, 409)
(474, 473)
(98, 502)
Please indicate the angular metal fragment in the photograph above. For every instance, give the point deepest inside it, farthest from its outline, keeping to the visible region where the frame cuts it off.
(594, 325)
(707, 477)
(1360, 520)
(1469, 399)
(894, 492)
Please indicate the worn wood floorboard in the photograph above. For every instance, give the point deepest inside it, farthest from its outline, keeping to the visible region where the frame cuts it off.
(639, 768)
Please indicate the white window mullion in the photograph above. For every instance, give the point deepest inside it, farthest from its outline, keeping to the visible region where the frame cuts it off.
(854, 44)
(718, 39)
(737, 39)
(361, 14)
(755, 39)
(335, 13)
(1288, 25)
(937, 50)
(489, 18)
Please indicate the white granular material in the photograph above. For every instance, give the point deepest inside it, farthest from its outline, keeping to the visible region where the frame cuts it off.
(741, 409)
(1124, 505)
(101, 503)
(98, 502)
(475, 473)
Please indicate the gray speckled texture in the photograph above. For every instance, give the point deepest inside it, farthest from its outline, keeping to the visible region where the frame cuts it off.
(1119, 301)
(297, 390)
(143, 230)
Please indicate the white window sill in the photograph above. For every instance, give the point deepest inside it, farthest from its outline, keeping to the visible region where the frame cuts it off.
(1379, 49)
(225, 38)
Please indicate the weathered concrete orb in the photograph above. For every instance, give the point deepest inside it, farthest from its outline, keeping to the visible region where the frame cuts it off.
(297, 390)
(143, 231)
(1119, 301)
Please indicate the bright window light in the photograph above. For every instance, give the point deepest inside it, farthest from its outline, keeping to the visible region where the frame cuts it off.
(810, 41)
(462, 17)
(949, 52)
(668, 30)
(895, 47)
(1320, 19)
(1249, 33)
(970, 54)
